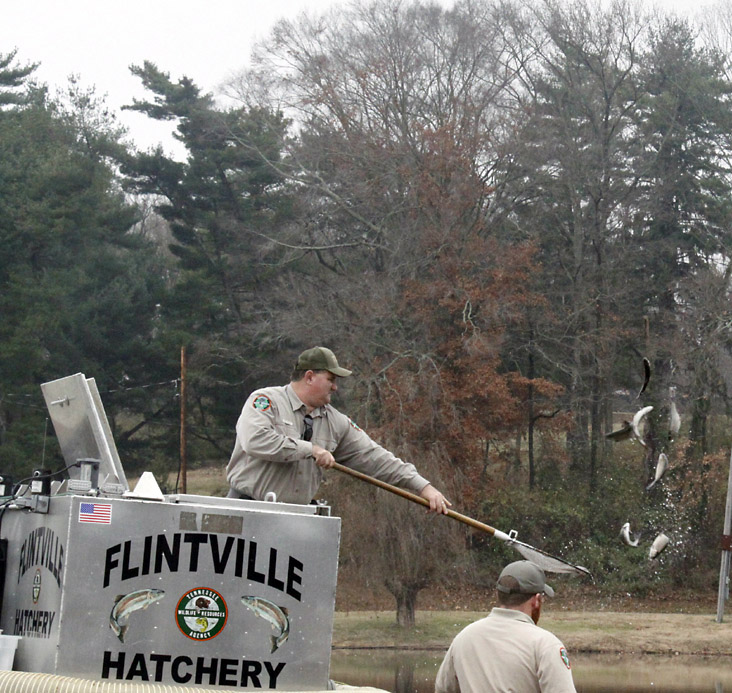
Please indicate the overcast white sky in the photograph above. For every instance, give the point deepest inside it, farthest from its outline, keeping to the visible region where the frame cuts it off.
(98, 40)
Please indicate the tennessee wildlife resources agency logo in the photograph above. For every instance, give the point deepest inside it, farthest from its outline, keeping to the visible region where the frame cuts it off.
(201, 613)
(262, 403)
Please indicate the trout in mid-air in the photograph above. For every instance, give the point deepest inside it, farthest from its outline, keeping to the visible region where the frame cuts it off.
(625, 533)
(661, 467)
(276, 615)
(636, 424)
(125, 604)
(658, 545)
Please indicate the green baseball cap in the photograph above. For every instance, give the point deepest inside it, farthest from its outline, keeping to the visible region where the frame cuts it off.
(523, 577)
(320, 359)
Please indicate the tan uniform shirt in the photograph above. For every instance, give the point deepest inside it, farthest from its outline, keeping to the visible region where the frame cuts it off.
(270, 455)
(506, 652)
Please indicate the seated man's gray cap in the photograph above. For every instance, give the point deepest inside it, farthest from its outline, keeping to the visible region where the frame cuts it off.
(523, 577)
(320, 359)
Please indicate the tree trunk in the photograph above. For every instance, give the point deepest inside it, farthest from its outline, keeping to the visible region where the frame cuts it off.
(595, 429)
(530, 403)
(406, 599)
(404, 678)
(698, 428)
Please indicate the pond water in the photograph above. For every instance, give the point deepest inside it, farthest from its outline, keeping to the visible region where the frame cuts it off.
(401, 671)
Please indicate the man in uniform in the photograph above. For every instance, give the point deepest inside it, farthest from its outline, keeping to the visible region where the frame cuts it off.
(507, 650)
(287, 435)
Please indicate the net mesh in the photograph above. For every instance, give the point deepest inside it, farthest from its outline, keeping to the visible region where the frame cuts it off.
(547, 562)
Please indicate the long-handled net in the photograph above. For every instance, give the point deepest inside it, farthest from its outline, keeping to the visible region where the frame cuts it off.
(546, 561)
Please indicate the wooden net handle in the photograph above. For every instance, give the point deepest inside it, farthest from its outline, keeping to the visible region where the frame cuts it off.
(413, 497)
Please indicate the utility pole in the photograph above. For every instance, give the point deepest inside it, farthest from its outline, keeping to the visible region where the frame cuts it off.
(726, 547)
(183, 461)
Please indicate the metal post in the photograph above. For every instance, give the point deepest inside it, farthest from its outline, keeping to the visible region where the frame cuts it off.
(724, 568)
(183, 461)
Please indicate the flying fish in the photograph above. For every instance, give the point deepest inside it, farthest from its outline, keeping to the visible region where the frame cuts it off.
(674, 421)
(646, 376)
(636, 424)
(622, 433)
(658, 545)
(625, 533)
(661, 467)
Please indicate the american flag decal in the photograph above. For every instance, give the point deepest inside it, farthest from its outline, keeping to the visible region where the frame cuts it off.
(99, 513)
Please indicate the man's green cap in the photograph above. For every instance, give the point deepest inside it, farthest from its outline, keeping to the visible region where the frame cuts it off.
(523, 577)
(320, 359)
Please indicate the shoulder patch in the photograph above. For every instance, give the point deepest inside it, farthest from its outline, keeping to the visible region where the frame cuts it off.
(565, 657)
(353, 425)
(262, 403)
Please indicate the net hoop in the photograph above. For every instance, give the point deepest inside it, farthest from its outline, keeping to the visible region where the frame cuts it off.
(547, 562)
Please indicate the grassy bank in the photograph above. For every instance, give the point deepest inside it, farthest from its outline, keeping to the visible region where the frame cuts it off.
(581, 631)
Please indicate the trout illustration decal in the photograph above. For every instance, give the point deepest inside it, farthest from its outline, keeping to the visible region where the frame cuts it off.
(275, 615)
(125, 604)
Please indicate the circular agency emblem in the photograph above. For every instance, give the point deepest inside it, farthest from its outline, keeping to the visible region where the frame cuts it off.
(262, 403)
(201, 613)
